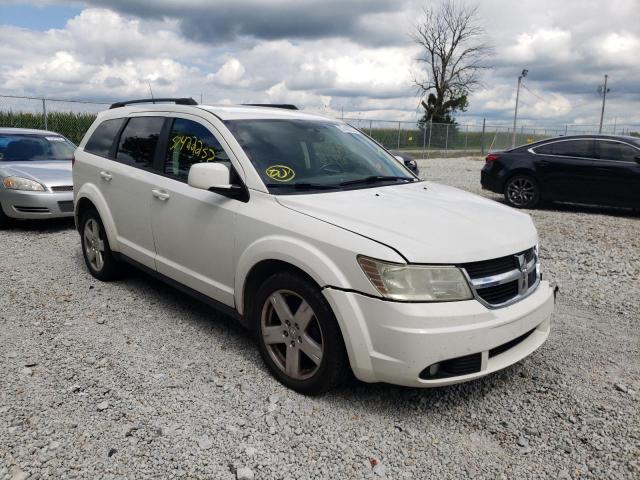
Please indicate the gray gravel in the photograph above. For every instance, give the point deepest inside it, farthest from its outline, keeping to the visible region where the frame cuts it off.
(133, 379)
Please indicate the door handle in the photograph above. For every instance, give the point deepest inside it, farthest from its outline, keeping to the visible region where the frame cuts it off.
(160, 195)
(106, 176)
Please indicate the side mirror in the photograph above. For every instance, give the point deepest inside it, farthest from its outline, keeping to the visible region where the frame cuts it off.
(399, 158)
(216, 178)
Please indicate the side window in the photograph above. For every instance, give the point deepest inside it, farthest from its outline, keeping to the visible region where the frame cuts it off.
(573, 148)
(617, 151)
(103, 136)
(139, 140)
(546, 149)
(189, 143)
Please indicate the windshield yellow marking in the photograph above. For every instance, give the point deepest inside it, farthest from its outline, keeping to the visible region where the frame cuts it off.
(280, 173)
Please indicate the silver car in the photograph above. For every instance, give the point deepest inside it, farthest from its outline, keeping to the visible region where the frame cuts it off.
(35, 174)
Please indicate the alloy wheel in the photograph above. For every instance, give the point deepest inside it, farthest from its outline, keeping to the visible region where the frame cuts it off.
(292, 334)
(93, 244)
(521, 191)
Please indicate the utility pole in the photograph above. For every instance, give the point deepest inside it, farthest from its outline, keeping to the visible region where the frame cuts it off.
(604, 99)
(515, 115)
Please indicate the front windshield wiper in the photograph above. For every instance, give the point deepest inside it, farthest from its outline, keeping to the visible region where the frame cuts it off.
(375, 179)
(302, 186)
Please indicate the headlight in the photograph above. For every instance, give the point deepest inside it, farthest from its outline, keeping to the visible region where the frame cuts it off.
(19, 183)
(417, 283)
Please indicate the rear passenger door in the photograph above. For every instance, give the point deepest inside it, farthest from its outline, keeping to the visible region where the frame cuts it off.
(618, 172)
(127, 185)
(194, 228)
(566, 168)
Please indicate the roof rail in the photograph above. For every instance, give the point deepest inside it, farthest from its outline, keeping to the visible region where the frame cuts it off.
(286, 106)
(177, 101)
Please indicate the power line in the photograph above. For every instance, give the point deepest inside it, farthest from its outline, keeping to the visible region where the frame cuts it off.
(537, 96)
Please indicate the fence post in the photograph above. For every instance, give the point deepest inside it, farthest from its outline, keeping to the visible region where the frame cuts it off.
(424, 138)
(466, 137)
(398, 135)
(565, 129)
(370, 127)
(446, 138)
(484, 121)
(430, 129)
(44, 113)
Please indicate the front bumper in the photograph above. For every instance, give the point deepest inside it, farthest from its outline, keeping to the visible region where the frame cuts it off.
(28, 205)
(395, 342)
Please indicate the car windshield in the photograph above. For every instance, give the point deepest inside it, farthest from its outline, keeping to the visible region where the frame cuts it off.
(294, 156)
(29, 147)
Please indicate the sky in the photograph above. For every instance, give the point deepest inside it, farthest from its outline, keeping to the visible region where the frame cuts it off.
(345, 58)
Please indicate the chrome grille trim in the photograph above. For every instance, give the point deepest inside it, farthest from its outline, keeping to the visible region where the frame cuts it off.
(520, 275)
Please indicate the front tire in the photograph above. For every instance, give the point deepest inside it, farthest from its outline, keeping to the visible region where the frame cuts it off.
(522, 191)
(4, 220)
(95, 248)
(298, 336)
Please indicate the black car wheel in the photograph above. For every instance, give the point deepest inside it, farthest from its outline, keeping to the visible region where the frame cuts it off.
(297, 334)
(522, 191)
(4, 220)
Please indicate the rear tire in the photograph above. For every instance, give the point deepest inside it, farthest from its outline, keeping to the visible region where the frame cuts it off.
(298, 335)
(522, 191)
(95, 248)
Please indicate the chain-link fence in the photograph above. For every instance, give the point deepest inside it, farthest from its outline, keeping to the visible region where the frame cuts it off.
(72, 118)
(431, 139)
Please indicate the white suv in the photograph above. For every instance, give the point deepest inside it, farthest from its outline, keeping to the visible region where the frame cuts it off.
(333, 254)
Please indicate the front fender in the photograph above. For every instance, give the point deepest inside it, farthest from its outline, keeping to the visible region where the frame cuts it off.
(296, 252)
(93, 194)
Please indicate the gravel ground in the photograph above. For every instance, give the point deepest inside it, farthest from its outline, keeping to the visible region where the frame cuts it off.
(133, 379)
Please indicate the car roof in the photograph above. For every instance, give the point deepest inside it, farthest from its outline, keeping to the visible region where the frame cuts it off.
(27, 131)
(598, 136)
(224, 112)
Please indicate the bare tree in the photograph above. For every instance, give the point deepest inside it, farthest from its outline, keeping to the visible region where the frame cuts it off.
(454, 51)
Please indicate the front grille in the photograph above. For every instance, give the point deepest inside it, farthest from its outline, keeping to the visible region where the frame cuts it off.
(506, 346)
(487, 268)
(500, 280)
(62, 188)
(453, 367)
(66, 206)
(499, 293)
(31, 209)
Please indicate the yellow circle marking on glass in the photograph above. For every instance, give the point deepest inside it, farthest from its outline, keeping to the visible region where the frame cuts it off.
(280, 173)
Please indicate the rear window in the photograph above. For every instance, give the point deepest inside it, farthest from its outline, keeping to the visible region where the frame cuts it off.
(139, 140)
(29, 147)
(103, 137)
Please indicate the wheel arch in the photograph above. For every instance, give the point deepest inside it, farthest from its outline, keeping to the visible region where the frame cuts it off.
(90, 197)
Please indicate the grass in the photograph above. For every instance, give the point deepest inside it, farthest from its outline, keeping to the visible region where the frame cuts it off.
(71, 125)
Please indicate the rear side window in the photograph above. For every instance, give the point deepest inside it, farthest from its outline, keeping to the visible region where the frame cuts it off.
(568, 148)
(189, 143)
(139, 140)
(617, 151)
(103, 137)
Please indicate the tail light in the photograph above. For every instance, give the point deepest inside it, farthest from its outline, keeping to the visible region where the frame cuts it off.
(492, 157)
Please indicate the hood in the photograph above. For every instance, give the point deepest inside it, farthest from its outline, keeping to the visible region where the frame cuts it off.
(50, 173)
(425, 222)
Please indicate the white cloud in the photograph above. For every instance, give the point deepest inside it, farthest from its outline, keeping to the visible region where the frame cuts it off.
(364, 67)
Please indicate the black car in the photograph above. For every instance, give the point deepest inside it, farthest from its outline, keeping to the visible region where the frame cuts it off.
(590, 169)
(408, 161)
